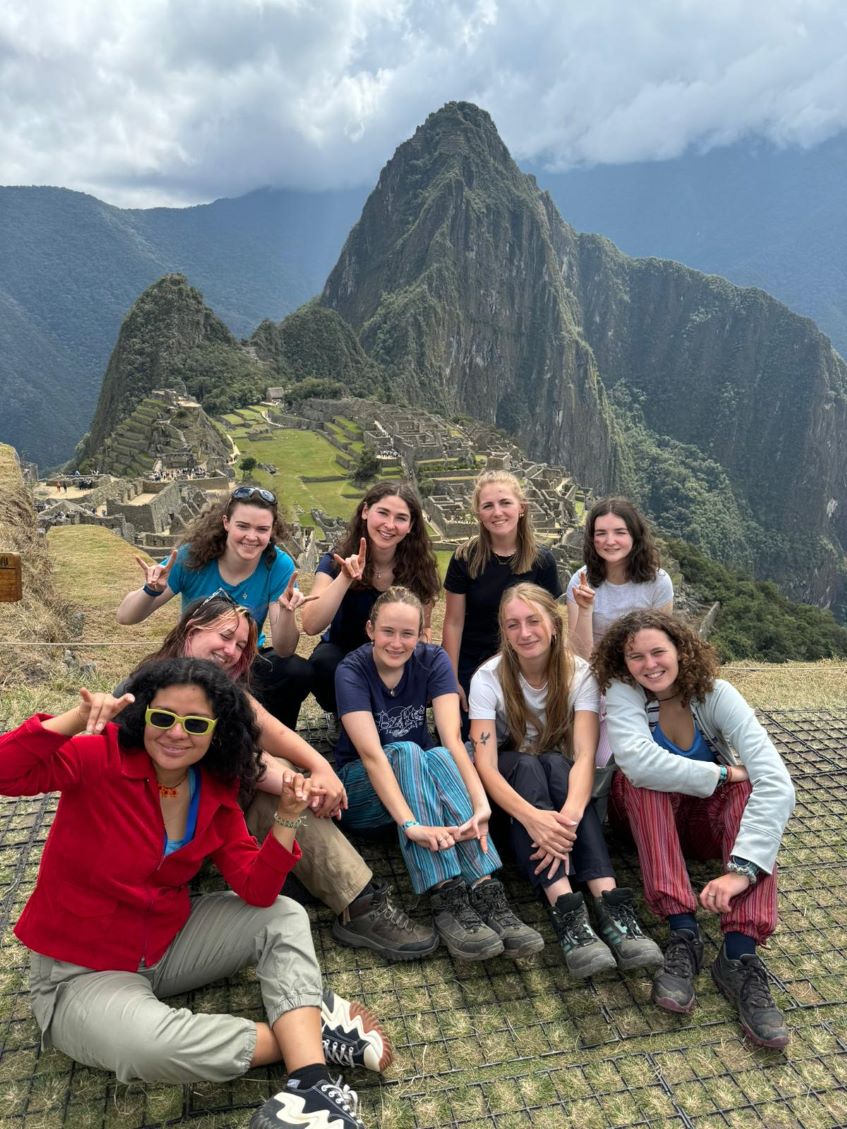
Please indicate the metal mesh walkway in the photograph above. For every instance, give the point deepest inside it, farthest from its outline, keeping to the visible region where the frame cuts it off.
(509, 1045)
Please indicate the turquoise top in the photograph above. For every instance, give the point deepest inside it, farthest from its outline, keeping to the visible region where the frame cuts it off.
(172, 845)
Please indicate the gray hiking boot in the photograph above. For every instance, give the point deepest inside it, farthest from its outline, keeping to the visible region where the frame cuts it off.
(377, 923)
(744, 982)
(585, 953)
(620, 928)
(673, 984)
(459, 925)
(489, 901)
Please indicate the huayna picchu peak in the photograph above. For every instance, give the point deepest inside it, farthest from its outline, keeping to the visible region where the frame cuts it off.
(714, 404)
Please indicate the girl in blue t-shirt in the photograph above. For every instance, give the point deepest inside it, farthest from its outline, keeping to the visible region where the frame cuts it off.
(232, 548)
(394, 773)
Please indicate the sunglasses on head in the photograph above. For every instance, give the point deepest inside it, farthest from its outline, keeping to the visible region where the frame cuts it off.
(192, 723)
(220, 594)
(244, 493)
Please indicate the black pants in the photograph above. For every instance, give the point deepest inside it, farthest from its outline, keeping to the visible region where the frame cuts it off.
(281, 685)
(324, 660)
(543, 782)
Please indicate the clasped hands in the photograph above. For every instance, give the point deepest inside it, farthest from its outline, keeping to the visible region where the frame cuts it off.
(442, 838)
(553, 834)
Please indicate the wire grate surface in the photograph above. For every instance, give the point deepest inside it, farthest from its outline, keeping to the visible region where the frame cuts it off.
(506, 1044)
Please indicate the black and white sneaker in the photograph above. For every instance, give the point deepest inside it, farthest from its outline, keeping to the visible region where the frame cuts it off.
(352, 1035)
(326, 1105)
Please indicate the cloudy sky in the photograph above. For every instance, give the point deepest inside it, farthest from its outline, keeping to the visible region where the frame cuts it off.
(144, 102)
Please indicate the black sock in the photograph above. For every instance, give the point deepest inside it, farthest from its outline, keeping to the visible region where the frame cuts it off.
(683, 921)
(737, 945)
(364, 893)
(307, 1076)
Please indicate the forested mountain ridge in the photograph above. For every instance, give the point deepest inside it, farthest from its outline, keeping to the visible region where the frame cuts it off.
(71, 267)
(717, 406)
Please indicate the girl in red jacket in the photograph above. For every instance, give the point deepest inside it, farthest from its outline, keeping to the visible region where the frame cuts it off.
(110, 923)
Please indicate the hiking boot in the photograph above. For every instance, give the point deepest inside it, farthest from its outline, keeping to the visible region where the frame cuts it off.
(585, 953)
(673, 984)
(461, 928)
(489, 901)
(381, 925)
(352, 1035)
(326, 1105)
(744, 982)
(620, 928)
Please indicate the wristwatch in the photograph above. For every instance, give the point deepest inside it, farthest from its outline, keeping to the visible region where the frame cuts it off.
(749, 869)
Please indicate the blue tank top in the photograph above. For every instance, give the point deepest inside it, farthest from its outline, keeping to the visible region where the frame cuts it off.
(699, 750)
(172, 845)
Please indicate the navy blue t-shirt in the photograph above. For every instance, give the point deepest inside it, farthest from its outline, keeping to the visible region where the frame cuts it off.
(347, 629)
(399, 714)
(481, 632)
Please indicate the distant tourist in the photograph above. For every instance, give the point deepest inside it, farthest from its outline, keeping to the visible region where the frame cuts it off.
(331, 868)
(386, 543)
(683, 788)
(395, 775)
(111, 926)
(232, 547)
(503, 553)
(621, 574)
(533, 710)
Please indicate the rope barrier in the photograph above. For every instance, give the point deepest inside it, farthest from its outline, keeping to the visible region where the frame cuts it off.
(22, 643)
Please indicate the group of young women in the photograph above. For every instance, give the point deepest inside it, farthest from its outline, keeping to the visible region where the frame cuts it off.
(195, 754)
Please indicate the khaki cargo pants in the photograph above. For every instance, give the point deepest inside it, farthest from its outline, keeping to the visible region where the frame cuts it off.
(117, 1021)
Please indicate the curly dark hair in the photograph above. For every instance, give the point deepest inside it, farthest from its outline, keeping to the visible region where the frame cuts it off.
(698, 660)
(206, 536)
(233, 754)
(643, 561)
(415, 566)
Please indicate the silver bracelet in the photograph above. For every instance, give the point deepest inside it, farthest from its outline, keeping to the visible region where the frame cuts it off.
(300, 821)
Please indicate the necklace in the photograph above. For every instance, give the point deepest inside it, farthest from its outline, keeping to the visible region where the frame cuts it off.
(669, 698)
(169, 793)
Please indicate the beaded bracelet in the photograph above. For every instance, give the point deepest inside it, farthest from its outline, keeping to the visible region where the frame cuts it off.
(723, 775)
(300, 821)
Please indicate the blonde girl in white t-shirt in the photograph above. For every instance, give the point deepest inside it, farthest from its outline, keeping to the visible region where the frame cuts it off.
(533, 711)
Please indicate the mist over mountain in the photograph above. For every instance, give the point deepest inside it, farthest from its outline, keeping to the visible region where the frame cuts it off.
(758, 215)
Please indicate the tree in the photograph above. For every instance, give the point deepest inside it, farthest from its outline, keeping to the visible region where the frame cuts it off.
(247, 465)
(366, 468)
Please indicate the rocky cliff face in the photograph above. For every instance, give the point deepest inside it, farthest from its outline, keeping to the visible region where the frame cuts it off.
(451, 280)
(171, 340)
(473, 294)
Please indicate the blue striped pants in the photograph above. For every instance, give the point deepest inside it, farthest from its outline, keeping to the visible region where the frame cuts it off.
(436, 794)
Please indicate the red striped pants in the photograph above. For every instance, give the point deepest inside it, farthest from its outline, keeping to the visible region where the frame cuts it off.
(666, 826)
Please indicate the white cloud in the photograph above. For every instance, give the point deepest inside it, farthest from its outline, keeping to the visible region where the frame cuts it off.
(149, 101)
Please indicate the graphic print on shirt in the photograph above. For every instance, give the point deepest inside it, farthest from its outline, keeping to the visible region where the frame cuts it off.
(393, 725)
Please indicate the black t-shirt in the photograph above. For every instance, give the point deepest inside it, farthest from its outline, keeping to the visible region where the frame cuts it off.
(481, 634)
(347, 629)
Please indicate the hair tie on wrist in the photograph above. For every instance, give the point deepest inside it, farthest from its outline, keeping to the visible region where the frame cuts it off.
(152, 592)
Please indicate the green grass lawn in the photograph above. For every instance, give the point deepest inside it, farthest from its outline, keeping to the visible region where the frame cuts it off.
(298, 454)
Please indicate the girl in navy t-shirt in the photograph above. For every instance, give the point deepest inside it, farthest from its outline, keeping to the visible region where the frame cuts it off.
(394, 773)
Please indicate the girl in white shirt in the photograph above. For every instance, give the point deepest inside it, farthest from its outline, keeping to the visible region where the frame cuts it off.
(533, 710)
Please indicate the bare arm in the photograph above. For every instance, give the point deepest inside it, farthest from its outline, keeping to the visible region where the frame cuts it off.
(451, 635)
(581, 618)
(363, 733)
(277, 740)
(137, 605)
(586, 733)
(318, 615)
(546, 828)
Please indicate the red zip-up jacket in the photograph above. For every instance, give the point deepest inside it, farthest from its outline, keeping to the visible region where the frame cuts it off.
(106, 897)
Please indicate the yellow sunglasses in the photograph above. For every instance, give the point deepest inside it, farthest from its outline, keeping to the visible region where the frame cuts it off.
(192, 723)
